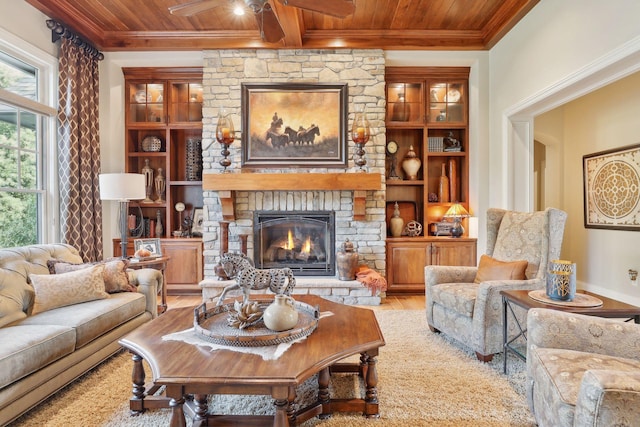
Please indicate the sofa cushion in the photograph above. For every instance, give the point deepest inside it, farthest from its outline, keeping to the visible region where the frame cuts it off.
(559, 373)
(459, 297)
(58, 290)
(519, 238)
(115, 274)
(493, 269)
(94, 318)
(27, 348)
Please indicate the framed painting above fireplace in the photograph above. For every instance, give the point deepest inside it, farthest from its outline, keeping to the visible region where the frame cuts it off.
(294, 125)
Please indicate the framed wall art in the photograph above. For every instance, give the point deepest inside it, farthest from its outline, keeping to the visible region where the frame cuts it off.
(294, 125)
(612, 189)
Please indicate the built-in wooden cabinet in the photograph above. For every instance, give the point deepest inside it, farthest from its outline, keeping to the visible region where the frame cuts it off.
(163, 121)
(184, 270)
(427, 112)
(163, 132)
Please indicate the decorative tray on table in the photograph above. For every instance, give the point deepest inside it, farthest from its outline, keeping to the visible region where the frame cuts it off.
(212, 325)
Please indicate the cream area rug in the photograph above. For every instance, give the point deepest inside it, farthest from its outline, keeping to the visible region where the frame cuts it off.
(424, 380)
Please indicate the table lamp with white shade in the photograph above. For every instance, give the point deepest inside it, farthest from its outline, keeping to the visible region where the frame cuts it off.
(122, 187)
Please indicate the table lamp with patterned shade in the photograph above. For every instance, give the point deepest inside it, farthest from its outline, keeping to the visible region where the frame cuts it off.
(122, 187)
(457, 212)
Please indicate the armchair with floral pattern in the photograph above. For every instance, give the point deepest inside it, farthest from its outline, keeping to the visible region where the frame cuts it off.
(470, 312)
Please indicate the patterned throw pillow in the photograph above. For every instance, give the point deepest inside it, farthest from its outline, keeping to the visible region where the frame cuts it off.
(116, 278)
(493, 269)
(59, 290)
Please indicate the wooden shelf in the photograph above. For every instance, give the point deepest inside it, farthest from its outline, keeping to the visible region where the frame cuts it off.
(227, 183)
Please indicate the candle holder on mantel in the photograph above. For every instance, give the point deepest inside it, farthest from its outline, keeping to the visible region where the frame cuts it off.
(360, 134)
(225, 135)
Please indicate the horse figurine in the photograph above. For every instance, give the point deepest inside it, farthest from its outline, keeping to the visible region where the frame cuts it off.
(239, 266)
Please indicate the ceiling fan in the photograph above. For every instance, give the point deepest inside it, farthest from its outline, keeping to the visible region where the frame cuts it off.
(270, 29)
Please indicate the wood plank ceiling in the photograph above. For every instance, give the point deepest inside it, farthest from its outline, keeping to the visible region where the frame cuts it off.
(121, 25)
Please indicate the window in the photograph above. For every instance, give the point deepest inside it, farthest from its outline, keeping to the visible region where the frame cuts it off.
(27, 145)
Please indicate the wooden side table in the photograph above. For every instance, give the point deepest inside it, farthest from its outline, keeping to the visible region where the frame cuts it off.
(159, 263)
(609, 308)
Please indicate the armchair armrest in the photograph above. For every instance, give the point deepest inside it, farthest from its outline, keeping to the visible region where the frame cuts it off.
(557, 329)
(607, 397)
(436, 274)
(149, 282)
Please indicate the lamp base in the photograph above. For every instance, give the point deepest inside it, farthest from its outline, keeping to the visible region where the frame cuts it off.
(457, 230)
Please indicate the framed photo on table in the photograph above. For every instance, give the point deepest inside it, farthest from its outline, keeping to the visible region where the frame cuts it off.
(612, 189)
(152, 245)
(294, 125)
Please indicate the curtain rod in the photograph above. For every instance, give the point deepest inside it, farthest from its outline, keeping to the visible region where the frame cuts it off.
(58, 31)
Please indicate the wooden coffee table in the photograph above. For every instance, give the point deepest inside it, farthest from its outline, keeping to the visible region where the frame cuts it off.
(609, 308)
(187, 369)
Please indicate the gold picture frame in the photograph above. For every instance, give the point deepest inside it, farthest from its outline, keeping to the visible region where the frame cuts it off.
(612, 189)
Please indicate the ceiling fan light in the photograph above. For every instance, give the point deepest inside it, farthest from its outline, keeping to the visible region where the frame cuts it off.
(238, 10)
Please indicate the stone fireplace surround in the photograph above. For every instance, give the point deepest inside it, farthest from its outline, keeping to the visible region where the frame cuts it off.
(357, 200)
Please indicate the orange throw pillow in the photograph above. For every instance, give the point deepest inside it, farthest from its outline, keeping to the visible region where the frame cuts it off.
(493, 269)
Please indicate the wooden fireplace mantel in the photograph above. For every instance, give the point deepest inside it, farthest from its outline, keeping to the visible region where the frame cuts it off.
(227, 183)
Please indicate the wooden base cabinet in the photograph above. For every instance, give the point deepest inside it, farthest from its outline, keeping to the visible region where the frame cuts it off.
(184, 270)
(406, 260)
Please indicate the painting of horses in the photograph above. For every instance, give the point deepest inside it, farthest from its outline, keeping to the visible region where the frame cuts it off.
(294, 125)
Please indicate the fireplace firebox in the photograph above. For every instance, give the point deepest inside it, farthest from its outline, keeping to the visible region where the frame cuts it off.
(304, 242)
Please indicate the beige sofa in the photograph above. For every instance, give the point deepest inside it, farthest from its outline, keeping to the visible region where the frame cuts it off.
(41, 353)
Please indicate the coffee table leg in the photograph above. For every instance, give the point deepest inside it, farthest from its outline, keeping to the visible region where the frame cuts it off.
(291, 410)
(177, 412)
(137, 377)
(202, 407)
(371, 383)
(281, 419)
(323, 393)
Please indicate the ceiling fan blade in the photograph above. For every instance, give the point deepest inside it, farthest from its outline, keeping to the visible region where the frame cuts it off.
(338, 8)
(189, 9)
(269, 25)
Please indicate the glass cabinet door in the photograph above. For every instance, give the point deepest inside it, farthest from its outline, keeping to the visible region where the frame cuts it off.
(186, 102)
(146, 103)
(447, 102)
(404, 102)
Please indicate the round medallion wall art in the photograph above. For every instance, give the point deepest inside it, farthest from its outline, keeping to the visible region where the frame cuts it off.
(612, 189)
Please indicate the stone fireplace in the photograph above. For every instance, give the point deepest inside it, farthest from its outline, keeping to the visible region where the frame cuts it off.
(303, 242)
(236, 196)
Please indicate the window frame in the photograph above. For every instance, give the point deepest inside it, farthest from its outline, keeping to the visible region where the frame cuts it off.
(46, 108)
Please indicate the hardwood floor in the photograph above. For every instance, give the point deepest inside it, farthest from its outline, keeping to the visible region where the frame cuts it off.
(393, 302)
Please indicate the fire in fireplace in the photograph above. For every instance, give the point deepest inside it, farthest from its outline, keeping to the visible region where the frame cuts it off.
(303, 242)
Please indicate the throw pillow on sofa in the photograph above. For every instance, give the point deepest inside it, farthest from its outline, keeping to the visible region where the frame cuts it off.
(116, 278)
(59, 290)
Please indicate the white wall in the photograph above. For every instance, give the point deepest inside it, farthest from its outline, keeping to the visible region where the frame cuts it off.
(557, 53)
(27, 23)
(602, 120)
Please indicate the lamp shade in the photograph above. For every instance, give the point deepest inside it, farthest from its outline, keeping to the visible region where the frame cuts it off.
(122, 186)
(456, 211)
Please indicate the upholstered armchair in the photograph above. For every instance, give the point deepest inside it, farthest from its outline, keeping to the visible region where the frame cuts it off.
(582, 370)
(471, 312)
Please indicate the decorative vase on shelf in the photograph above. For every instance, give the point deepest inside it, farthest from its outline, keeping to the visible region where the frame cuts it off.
(159, 227)
(453, 180)
(411, 164)
(443, 187)
(347, 261)
(281, 314)
(396, 223)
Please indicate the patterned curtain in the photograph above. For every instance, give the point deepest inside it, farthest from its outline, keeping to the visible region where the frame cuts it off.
(79, 150)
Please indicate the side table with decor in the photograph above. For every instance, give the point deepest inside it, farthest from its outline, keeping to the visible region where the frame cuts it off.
(584, 303)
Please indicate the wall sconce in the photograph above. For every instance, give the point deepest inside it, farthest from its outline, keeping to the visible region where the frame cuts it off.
(360, 134)
(457, 212)
(225, 135)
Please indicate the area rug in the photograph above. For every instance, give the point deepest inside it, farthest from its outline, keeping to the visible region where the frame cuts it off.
(424, 379)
